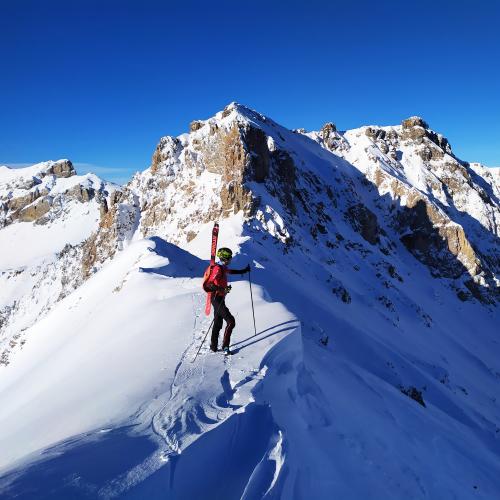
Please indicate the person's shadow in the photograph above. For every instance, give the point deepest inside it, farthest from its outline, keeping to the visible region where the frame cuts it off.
(181, 264)
(253, 339)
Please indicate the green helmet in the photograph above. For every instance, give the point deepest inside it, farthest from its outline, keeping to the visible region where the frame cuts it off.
(225, 253)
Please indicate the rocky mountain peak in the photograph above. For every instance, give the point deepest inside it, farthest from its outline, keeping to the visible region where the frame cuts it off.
(331, 139)
(234, 148)
(240, 160)
(62, 168)
(433, 146)
(34, 194)
(328, 128)
(414, 121)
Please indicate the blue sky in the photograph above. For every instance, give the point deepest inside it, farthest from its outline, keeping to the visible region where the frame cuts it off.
(99, 82)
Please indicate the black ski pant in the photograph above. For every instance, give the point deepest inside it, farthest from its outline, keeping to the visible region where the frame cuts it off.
(221, 313)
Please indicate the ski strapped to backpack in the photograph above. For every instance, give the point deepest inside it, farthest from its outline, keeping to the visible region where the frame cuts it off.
(206, 275)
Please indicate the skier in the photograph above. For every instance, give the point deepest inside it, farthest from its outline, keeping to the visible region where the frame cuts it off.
(217, 284)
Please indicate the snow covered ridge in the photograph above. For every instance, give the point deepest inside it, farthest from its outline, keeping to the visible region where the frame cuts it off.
(32, 194)
(48, 216)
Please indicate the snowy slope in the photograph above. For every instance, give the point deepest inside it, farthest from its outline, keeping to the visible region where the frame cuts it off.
(335, 408)
(48, 214)
(375, 370)
(106, 367)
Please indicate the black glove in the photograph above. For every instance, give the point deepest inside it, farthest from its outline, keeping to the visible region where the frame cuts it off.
(247, 269)
(227, 289)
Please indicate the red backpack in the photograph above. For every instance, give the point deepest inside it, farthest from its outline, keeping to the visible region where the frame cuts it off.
(206, 275)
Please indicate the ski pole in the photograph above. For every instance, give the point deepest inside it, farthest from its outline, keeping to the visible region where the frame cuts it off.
(203, 341)
(206, 334)
(251, 297)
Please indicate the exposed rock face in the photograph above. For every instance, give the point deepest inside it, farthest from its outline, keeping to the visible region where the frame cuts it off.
(259, 156)
(101, 245)
(386, 140)
(328, 129)
(232, 149)
(430, 236)
(28, 198)
(439, 141)
(116, 225)
(414, 121)
(434, 146)
(428, 233)
(440, 221)
(195, 125)
(415, 134)
(332, 139)
(219, 151)
(167, 149)
(365, 222)
(81, 193)
(63, 168)
(34, 211)
(17, 204)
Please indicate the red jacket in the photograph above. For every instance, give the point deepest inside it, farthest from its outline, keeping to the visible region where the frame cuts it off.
(217, 279)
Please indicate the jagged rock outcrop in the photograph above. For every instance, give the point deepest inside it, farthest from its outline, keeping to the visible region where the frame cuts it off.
(81, 193)
(236, 151)
(332, 139)
(435, 146)
(443, 211)
(259, 155)
(365, 222)
(427, 231)
(62, 168)
(116, 226)
(431, 237)
(33, 211)
(412, 122)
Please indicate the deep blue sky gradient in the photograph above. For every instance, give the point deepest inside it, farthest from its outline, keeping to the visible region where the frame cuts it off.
(100, 82)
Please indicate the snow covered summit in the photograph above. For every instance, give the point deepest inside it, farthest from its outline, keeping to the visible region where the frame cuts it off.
(47, 217)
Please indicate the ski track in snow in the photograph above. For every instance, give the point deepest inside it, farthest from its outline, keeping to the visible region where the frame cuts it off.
(176, 427)
(164, 421)
(177, 420)
(185, 401)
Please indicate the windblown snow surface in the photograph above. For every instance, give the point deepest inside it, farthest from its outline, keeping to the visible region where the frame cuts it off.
(126, 342)
(105, 401)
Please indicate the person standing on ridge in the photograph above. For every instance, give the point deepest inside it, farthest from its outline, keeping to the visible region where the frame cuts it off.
(217, 284)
